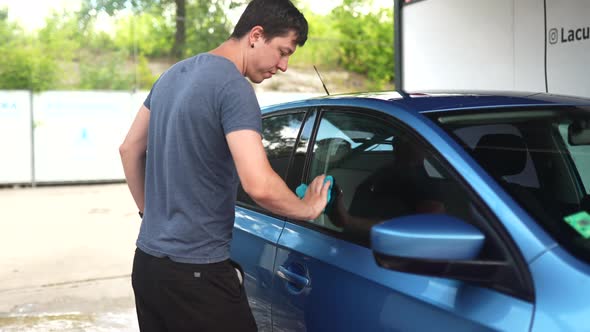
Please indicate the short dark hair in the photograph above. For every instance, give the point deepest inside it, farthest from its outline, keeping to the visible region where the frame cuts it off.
(276, 17)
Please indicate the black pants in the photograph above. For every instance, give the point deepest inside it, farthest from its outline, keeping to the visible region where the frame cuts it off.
(171, 296)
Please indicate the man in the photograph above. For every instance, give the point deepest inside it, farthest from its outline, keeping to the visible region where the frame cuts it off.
(200, 126)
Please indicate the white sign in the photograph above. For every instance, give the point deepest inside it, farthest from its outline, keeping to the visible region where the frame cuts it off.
(497, 45)
(568, 47)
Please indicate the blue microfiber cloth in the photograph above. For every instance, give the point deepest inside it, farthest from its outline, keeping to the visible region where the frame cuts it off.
(300, 191)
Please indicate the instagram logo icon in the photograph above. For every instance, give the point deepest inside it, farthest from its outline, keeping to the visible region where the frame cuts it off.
(553, 36)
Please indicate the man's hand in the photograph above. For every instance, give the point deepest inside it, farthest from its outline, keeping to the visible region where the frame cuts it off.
(316, 196)
(266, 187)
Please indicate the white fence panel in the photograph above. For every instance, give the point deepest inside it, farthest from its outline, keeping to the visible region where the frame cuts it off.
(77, 135)
(15, 137)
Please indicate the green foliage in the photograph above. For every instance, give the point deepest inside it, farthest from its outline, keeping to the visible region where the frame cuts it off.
(206, 26)
(23, 64)
(369, 47)
(200, 24)
(146, 34)
(153, 33)
(353, 38)
(8, 30)
(145, 78)
(114, 71)
(322, 46)
(60, 38)
(69, 53)
(23, 67)
(98, 42)
(106, 72)
(91, 8)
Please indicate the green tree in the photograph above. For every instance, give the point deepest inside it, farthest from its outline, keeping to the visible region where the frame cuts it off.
(322, 46)
(91, 8)
(8, 30)
(106, 72)
(207, 26)
(23, 65)
(73, 47)
(367, 45)
(61, 36)
(145, 78)
(145, 34)
(206, 10)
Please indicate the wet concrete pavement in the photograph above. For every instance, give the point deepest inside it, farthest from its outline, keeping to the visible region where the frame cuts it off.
(65, 258)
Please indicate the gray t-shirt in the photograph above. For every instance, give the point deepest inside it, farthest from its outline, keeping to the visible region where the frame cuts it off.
(191, 180)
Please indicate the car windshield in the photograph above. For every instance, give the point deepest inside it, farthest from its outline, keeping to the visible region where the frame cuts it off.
(541, 157)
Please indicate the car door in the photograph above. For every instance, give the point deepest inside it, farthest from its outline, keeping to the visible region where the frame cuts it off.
(326, 275)
(256, 231)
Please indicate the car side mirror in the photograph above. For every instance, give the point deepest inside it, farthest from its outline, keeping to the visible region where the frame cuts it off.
(578, 133)
(434, 245)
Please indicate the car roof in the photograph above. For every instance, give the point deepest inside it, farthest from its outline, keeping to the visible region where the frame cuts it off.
(427, 101)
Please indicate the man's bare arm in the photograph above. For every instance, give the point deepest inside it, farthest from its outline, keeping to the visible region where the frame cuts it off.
(266, 187)
(133, 153)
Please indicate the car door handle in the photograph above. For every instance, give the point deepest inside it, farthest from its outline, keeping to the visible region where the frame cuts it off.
(294, 278)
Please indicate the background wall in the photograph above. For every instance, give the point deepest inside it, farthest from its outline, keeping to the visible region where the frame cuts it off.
(497, 45)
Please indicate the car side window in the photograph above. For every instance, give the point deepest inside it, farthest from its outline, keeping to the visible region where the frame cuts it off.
(381, 171)
(351, 148)
(279, 135)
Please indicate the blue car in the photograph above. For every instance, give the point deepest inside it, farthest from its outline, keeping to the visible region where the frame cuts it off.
(449, 212)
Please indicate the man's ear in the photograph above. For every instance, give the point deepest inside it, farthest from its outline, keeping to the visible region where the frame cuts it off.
(256, 34)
